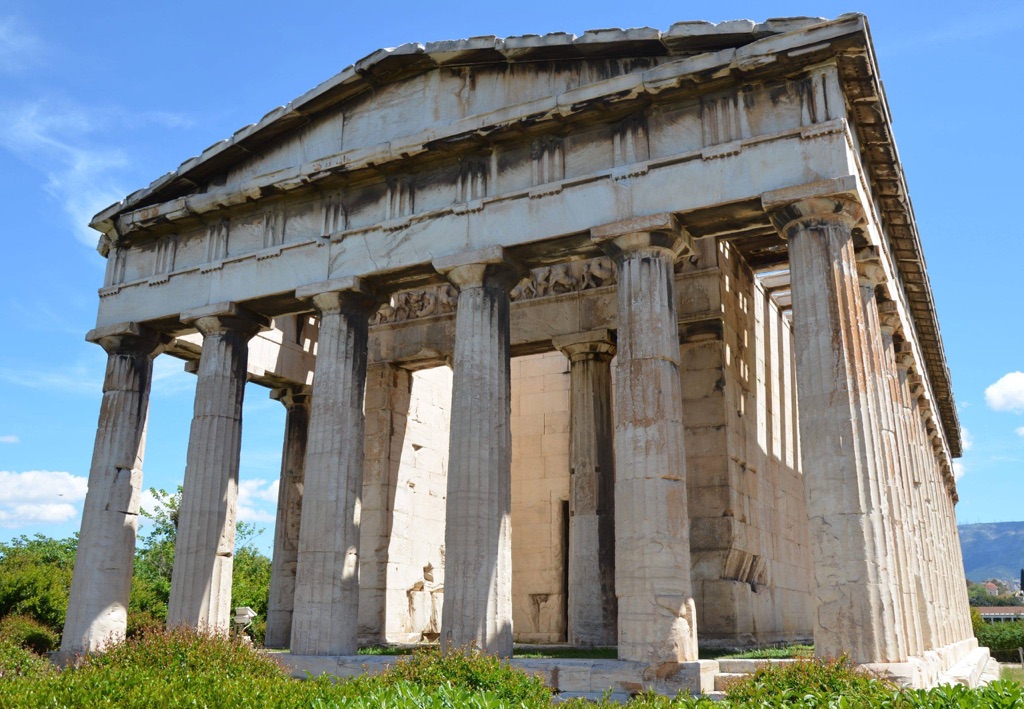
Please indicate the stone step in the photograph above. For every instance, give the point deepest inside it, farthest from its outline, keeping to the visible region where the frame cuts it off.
(968, 671)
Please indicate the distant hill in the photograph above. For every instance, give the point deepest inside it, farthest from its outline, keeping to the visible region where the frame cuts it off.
(993, 550)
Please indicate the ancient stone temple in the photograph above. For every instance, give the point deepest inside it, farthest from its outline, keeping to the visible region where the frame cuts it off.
(623, 339)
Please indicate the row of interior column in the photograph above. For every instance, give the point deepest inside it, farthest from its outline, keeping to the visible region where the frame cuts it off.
(883, 532)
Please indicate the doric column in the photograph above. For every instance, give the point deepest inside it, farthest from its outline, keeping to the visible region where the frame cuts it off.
(592, 604)
(911, 571)
(98, 604)
(478, 533)
(871, 275)
(656, 620)
(388, 394)
(289, 514)
(854, 610)
(327, 578)
(205, 545)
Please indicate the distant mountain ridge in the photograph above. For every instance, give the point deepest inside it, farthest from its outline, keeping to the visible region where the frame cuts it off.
(994, 550)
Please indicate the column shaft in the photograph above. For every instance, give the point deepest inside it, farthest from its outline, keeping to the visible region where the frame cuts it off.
(854, 609)
(477, 608)
(98, 602)
(205, 545)
(327, 578)
(289, 515)
(657, 615)
(881, 423)
(592, 604)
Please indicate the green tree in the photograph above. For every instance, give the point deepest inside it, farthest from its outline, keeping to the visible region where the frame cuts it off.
(35, 578)
(154, 561)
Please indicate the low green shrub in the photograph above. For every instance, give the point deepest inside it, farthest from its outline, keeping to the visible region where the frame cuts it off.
(16, 661)
(27, 632)
(470, 670)
(787, 683)
(1002, 639)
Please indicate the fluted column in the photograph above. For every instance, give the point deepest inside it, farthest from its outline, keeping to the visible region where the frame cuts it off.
(592, 604)
(908, 421)
(656, 611)
(854, 612)
(912, 573)
(477, 607)
(205, 545)
(98, 604)
(870, 276)
(324, 621)
(289, 514)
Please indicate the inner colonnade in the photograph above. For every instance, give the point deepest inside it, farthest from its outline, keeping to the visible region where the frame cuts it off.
(688, 390)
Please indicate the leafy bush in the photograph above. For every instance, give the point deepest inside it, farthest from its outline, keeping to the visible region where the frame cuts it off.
(35, 578)
(470, 670)
(785, 683)
(28, 633)
(1002, 639)
(16, 661)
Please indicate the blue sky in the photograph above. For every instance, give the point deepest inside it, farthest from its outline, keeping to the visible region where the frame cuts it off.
(98, 99)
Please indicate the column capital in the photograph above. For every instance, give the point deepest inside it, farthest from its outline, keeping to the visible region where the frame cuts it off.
(475, 269)
(349, 293)
(820, 203)
(129, 338)
(223, 317)
(292, 397)
(592, 344)
(655, 231)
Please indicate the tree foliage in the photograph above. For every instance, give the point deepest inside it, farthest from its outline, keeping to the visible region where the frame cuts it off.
(35, 578)
(35, 573)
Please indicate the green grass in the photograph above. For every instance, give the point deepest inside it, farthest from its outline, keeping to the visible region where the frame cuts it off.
(569, 653)
(782, 652)
(1013, 674)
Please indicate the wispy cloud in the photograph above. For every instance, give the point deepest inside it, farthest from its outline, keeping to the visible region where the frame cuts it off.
(10, 439)
(958, 470)
(84, 376)
(966, 439)
(70, 145)
(39, 497)
(20, 49)
(959, 30)
(257, 500)
(1020, 431)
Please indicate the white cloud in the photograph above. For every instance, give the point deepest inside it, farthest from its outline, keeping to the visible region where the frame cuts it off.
(1020, 431)
(19, 48)
(9, 439)
(257, 500)
(39, 496)
(58, 138)
(1007, 394)
(966, 439)
(958, 470)
(24, 515)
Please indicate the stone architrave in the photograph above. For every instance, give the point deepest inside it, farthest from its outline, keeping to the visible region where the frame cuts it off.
(324, 621)
(854, 613)
(477, 608)
(205, 545)
(656, 611)
(98, 603)
(289, 515)
(592, 604)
